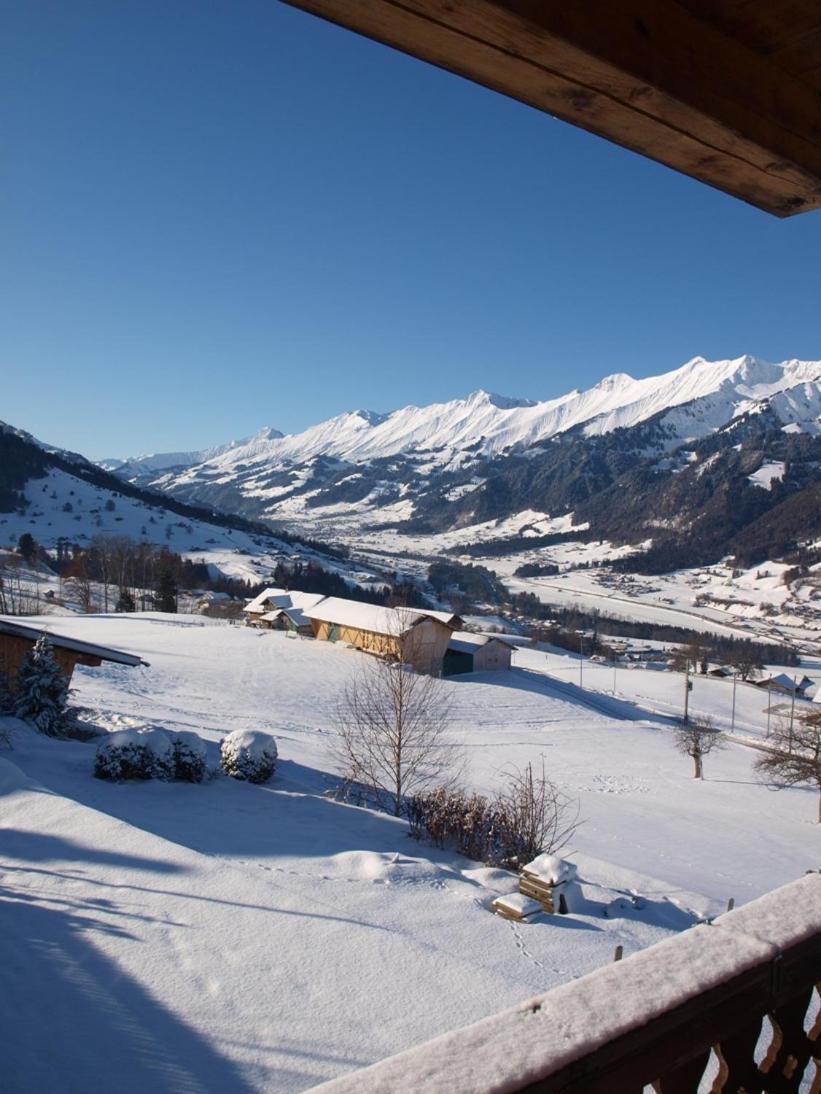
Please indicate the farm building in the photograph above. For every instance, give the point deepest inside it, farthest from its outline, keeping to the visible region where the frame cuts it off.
(469, 652)
(784, 684)
(17, 639)
(418, 638)
(279, 609)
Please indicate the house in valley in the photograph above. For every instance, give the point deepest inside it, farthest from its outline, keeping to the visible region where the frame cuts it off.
(17, 640)
(416, 637)
(282, 610)
(469, 652)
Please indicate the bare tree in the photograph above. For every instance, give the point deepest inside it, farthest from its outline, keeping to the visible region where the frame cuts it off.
(536, 814)
(697, 739)
(393, 733)
(795, 758)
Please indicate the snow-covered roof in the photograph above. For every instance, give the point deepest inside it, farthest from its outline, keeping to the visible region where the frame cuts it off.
(371, 617)
(468, 642)
(62, 641)
(282, 598)
(296, 615)
(780, 680)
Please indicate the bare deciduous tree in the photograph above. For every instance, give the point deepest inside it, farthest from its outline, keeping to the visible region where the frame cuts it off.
(697, 739)
(795, 758)
(393, 733)
(538, 815)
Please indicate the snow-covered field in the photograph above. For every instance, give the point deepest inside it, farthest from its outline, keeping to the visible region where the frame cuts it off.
(229, 937)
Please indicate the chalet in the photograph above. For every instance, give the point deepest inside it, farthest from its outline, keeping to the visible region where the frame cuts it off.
(17, 639)
(279, 609)
(469, 652)
(784, 684)
(413, 636)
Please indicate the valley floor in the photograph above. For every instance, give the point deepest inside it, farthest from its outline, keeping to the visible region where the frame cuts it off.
(234, 938)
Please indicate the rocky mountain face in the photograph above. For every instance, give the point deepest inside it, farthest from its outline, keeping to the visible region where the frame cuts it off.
(710, 459)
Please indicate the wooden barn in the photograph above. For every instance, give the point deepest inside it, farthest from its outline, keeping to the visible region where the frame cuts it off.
(469, 652)
(17, 640)
(415, 637)
(282, 610)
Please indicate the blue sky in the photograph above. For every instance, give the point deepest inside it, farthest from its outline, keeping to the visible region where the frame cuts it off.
(220, 215)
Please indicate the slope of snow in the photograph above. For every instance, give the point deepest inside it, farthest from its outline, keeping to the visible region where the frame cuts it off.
(240, 939)
(131, 466)
(708, 393)
(767, 473)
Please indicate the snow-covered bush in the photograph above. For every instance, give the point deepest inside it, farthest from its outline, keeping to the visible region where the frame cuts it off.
(248, 754)
(8, 703)
(135, 754)
(42, 691)
(190, 758)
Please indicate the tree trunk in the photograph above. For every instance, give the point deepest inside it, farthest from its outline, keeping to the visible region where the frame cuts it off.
(699, 769)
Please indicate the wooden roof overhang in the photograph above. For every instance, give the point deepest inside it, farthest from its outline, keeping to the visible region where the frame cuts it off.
(726, 91)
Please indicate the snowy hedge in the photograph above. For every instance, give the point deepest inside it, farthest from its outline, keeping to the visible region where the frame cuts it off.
(248, 754)
(150, 754)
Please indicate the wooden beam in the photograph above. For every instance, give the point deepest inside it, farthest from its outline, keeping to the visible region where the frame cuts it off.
(646, 74)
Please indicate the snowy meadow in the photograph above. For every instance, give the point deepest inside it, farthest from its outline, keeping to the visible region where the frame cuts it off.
(233, 937)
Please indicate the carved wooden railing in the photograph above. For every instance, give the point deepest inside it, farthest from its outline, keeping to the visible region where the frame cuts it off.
(666, 1018)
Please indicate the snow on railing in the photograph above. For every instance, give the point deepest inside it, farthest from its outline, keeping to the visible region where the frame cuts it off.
(653, 1018)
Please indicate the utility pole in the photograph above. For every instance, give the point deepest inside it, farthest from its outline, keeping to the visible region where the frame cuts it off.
(732, 717)
(581, 660)
(792, 709)
(614, 673)
(769, 705)
(687, 686)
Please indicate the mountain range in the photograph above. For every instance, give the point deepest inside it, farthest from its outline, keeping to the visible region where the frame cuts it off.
(673, 460)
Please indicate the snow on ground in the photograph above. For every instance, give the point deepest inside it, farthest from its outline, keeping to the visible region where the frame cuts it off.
(228, 937)
(767, 473)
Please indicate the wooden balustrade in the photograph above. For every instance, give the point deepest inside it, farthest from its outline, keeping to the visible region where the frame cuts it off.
(735, 999)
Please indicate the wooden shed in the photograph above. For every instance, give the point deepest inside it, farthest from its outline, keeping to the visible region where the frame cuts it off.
(468, 652)
(415, 637)
(17, 640)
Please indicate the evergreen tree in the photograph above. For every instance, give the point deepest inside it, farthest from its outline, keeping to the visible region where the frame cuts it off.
(27, 547)
(42, 691)
(125, 602)
(165, 597)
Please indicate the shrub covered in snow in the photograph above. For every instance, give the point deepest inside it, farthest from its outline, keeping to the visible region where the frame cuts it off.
(42, 691)
(190, 758)
(248, 754)
(135, 754)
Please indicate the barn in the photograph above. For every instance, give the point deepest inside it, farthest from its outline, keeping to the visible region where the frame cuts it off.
(469, 652)
(17, 640)
(416, 637)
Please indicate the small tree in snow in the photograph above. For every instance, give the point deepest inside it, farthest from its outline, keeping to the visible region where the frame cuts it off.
(796, 755)
(392, 733)
(697, 739)
(42, 691)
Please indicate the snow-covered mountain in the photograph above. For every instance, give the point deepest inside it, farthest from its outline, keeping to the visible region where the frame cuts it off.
(138, 467)
(487, 457)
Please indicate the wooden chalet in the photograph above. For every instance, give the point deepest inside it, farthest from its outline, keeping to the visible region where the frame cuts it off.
(18, 639)
(468, 652)
(282, 610)
(415, 637)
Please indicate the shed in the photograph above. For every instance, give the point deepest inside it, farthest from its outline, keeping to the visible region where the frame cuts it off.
(416, 637)
(17, 639)
(469, 652)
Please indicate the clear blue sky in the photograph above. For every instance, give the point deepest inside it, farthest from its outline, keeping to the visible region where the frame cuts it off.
(223, 214)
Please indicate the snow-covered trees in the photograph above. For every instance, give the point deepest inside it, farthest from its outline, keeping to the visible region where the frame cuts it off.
(795, 758)
(696, 739)
(151, 753)
(248, 754)
(42, 691)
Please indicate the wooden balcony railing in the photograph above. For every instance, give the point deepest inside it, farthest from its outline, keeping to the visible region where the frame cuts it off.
(741, 988)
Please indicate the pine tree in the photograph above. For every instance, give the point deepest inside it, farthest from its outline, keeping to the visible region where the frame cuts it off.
(125, 602)
(165, 598)
(42, 691)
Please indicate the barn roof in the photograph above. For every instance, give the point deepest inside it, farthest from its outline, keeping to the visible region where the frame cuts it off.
(62, 641)
(373, 617)
(296, 615)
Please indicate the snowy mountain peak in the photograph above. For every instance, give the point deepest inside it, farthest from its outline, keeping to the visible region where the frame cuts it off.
(501, 402)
